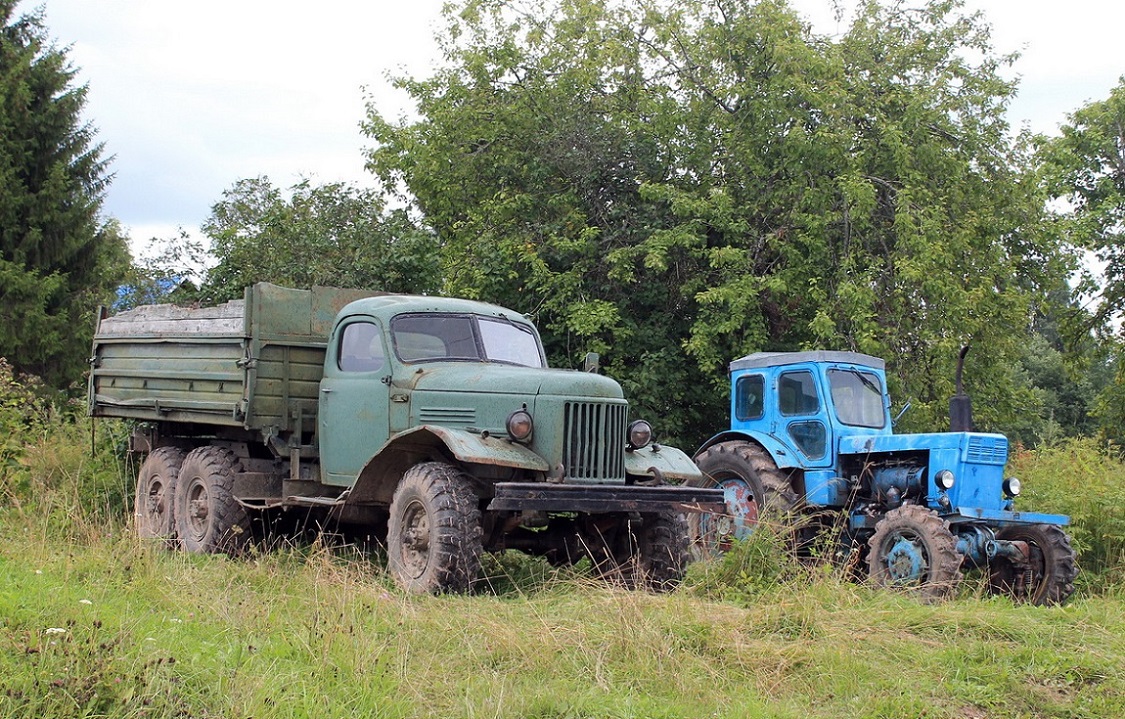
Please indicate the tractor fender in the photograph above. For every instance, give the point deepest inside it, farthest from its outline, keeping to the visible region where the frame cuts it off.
(783, 455)
(377, 480)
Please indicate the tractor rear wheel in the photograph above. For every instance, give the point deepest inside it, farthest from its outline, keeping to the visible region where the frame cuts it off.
(1049, 573)
(434, 542)
(754, 489)
(156, 490)
(913, 549)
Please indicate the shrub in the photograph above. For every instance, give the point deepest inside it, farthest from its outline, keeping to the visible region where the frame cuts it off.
(1086, 480)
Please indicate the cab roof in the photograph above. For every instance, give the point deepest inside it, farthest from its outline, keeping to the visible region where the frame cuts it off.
(386, 306)
(760, 360)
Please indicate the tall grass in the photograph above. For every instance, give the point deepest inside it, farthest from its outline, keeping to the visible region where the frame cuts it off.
(96, 623)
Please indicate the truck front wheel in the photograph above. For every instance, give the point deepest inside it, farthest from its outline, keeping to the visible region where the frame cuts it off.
(156, 489)
(434, 540)
(913, 549)
(207, 515)
(1048, 575)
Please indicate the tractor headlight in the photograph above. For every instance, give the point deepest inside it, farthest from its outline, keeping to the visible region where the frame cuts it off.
(640, 434)
(520, 425)
(1012, 487)
(944, 479)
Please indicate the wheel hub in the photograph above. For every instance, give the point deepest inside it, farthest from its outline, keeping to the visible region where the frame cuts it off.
(906, 560)
(415, 539)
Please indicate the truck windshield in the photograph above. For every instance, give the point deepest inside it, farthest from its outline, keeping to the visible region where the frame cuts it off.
(858, 397)
(434, 338)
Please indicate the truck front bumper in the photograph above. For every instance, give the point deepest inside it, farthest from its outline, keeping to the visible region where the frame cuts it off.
(600, 499)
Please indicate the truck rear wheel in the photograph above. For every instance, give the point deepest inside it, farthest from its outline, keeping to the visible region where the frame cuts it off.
(156, 490)
(1048, 577)
(208, 517)
(754, 490)
(913, 549)
(434, 542)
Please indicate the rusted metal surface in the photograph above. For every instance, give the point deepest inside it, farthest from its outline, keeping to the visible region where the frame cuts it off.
(515, 496)
(654, 460)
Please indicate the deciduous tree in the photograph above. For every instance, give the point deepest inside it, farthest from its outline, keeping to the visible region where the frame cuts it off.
(332, 234)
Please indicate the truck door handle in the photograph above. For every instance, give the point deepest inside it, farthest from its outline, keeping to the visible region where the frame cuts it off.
(325, 390)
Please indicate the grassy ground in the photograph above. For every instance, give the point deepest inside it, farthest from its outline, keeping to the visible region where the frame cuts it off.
(94, 623)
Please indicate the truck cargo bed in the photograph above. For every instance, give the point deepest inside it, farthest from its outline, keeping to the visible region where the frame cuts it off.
(254, 363)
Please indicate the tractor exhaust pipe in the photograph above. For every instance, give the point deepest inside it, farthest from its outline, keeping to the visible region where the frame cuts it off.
(960, 405)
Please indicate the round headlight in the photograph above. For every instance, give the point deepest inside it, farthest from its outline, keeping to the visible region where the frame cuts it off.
(1012, 487)
(944, 479)
(520, 425)
(640, 433)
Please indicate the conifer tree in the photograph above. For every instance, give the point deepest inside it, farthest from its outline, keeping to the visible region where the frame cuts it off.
(57, 257)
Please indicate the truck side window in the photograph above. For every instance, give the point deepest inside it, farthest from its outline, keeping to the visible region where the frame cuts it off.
(797, 394)
(361, 348)
(749, 391)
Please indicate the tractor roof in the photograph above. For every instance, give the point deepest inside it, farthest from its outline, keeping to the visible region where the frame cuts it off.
(760, 360)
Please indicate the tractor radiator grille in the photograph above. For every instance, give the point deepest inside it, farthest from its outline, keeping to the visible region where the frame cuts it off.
(594, 441)
(987, 450)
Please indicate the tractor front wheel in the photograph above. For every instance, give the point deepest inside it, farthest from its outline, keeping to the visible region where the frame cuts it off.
(913, 549)
(1047, 575)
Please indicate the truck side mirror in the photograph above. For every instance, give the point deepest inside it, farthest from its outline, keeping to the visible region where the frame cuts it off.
(591, 362)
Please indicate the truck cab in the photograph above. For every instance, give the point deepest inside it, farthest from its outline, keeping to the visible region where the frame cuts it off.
(812, 431)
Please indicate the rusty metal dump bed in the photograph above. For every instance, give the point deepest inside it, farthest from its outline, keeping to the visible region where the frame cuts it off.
(254, 363)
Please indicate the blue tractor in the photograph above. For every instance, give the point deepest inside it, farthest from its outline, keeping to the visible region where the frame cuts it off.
(811, 446)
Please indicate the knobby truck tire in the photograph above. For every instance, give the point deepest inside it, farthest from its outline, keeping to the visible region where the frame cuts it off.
(156, 490)
(434, 536)
(208, 517)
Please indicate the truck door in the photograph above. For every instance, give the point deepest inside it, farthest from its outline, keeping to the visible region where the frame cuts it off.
(803, 418)
(354, 399)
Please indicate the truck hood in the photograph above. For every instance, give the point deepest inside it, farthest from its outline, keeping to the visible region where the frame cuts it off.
(500, 379)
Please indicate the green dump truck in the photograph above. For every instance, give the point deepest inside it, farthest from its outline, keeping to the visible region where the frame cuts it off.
(431, 422)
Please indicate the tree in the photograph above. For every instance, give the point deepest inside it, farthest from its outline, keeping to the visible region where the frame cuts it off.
(58, 260)
(1084, 169)
(331, 234)
(677, 184)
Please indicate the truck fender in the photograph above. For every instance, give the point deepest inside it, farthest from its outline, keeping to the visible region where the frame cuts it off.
(377, 480)
(783, 456)
(660, 461)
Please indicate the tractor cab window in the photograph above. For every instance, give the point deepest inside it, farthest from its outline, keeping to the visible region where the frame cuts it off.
(858, 397)
(361, 348)
(796, 394)
(748, 395)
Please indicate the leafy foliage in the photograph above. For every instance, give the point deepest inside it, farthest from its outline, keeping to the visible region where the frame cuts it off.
(323, 235)
(58, 261)
(674, 185)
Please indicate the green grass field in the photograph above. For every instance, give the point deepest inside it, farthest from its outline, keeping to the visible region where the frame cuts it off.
(95, 623)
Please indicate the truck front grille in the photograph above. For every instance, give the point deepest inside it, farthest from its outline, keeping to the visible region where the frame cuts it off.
(594, 441)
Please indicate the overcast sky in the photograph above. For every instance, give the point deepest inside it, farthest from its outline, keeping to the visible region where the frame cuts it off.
(190, 96)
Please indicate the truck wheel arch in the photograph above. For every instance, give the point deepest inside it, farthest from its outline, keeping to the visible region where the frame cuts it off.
(377, 480)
